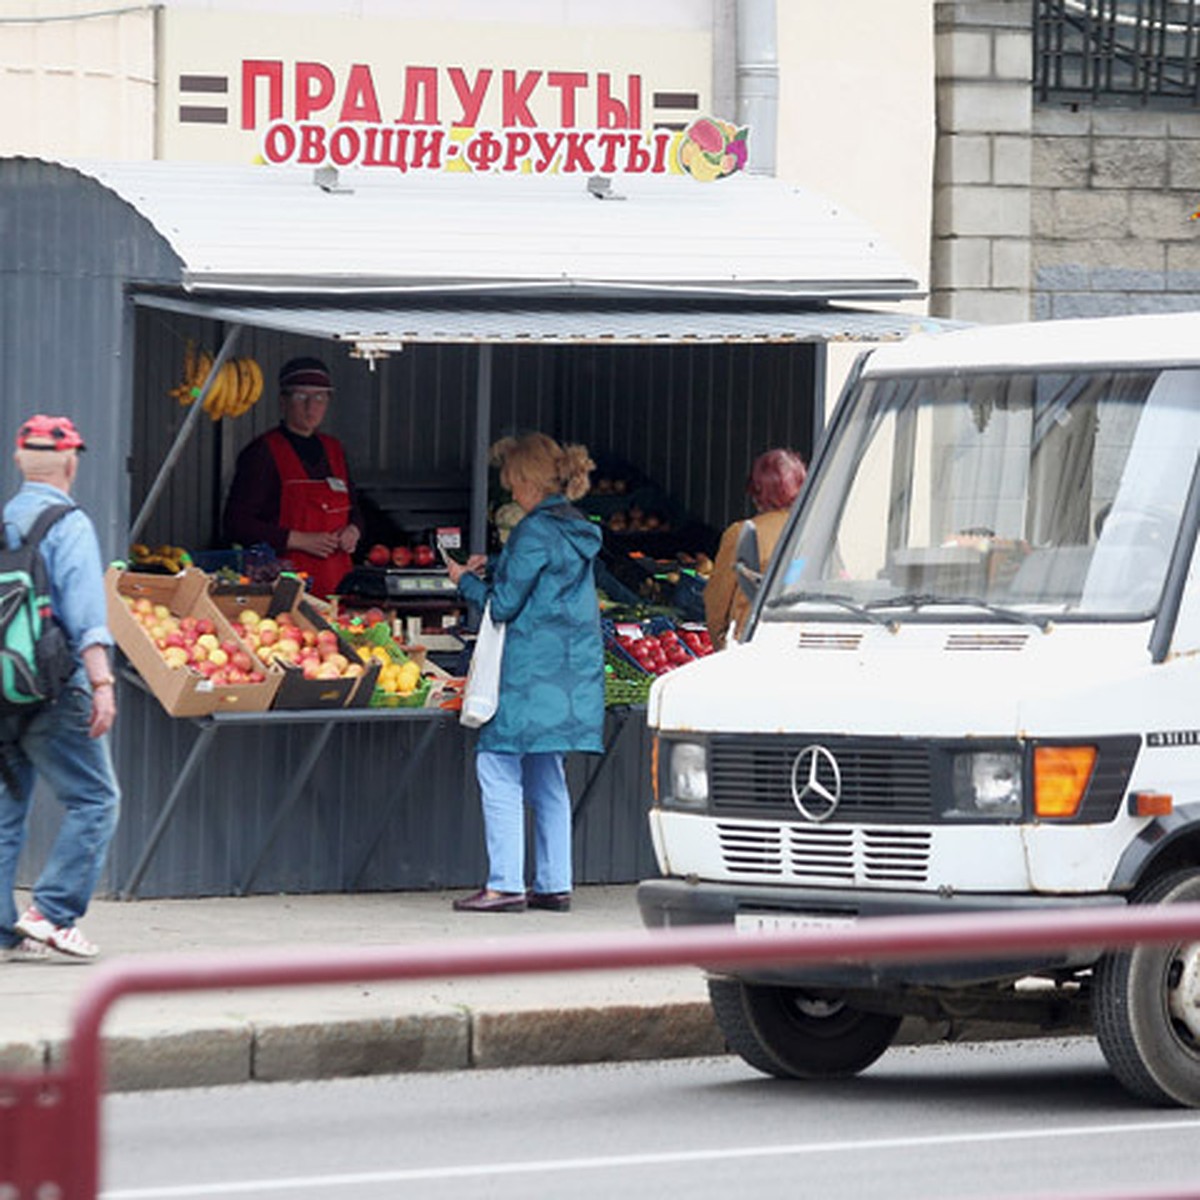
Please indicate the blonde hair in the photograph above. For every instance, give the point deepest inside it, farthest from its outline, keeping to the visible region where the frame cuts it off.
(540, 461)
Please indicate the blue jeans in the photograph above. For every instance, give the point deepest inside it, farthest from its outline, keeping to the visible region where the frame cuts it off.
(507, 782)
(78, 769)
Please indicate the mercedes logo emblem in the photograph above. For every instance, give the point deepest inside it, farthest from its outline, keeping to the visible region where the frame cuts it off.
(816, 783)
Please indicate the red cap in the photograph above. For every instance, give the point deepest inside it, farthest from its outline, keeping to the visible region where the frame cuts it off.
(49, 433)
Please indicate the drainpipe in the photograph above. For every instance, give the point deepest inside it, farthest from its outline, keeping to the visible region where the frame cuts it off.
(757, 75)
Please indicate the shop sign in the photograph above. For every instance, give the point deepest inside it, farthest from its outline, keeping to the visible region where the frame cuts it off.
(419, 96)
(505, 151)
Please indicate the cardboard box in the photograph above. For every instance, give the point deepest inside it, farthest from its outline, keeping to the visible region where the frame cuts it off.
(294, 690)
(181, 691)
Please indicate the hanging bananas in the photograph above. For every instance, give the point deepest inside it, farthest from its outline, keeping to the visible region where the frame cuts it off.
(236, 389)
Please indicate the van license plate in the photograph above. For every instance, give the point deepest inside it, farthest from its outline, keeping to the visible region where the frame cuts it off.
(745, 922)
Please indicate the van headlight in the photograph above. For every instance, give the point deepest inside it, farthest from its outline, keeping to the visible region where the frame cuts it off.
(685, 776)
(987, 783)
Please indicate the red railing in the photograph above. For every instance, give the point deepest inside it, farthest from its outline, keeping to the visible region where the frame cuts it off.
(45, 1111)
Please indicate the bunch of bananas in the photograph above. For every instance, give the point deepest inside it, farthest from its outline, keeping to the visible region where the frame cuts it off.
(236, 389)
(169, 559)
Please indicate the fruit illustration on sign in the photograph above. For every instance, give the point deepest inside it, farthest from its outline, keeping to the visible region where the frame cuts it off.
(711, 149)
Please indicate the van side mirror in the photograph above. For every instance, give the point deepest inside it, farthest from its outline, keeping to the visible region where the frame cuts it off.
(746, 560)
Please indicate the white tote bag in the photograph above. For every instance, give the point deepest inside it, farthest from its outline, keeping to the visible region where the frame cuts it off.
(482, 691)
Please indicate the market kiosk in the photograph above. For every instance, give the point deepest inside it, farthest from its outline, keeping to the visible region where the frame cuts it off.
(678, 331)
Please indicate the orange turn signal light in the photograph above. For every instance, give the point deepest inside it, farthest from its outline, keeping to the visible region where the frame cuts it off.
(1060, 778)
(654, 768)
(1151, 804)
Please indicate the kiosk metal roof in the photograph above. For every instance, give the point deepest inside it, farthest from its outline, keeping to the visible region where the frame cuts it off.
(389, 326)
(265, 229)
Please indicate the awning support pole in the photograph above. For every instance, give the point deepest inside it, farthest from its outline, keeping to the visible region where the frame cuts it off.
(185, 431)
(479, 461)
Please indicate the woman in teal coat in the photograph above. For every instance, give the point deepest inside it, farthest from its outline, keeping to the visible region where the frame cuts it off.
(552, 677)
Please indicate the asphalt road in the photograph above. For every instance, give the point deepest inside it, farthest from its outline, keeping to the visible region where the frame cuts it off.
(987, 1120)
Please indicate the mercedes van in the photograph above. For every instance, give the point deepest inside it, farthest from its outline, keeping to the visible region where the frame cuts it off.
(970, 683)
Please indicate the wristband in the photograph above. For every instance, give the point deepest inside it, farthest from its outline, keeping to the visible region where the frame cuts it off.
(107, 681)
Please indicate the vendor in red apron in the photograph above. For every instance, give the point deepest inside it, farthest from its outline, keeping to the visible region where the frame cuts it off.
(291, 487)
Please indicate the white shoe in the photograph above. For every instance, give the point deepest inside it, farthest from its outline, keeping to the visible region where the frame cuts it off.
(27, 950)
(66, 939)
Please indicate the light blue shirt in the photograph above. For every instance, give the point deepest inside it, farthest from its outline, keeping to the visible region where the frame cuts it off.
(72, 553)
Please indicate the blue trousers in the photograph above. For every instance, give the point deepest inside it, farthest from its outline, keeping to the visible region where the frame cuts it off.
(507, 782)
(78, 769)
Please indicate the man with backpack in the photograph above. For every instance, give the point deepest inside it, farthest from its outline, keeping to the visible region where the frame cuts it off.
(61, 737)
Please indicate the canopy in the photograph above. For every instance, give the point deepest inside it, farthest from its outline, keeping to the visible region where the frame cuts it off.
(285, 229)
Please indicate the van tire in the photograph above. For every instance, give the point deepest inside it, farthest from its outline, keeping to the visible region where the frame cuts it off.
(786, 1032)
(1150, 1050)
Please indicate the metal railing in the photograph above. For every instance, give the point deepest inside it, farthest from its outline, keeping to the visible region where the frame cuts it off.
(42, 1112)
(1117, 53)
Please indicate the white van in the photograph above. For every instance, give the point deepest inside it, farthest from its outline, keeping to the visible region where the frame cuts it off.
(970, 682)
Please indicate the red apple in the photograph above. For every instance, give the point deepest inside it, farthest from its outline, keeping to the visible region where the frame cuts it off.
(379, 555)
(402, 556)
(424, 556)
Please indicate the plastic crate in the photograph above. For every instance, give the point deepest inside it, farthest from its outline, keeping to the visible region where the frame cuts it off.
(415, 699)
(614, 648)
(623, 683)
(659, 625)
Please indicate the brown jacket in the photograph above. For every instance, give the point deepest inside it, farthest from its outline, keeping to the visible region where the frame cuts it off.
(725, 604)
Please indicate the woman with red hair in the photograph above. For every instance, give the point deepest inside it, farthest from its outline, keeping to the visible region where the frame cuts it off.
(775, 481)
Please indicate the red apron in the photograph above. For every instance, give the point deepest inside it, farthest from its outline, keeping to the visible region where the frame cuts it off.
(313, 506)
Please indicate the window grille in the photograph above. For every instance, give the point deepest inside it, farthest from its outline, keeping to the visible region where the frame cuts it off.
(1117, 53)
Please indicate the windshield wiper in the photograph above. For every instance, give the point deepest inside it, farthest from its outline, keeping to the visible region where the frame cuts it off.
(859, 610)
(916, 600)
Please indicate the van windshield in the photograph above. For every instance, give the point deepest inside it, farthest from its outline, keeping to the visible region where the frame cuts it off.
(1015, 496)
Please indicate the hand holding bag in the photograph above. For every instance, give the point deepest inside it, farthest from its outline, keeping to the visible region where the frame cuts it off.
(482, 690)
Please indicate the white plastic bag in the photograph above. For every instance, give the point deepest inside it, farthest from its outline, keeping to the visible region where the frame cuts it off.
(482, 690)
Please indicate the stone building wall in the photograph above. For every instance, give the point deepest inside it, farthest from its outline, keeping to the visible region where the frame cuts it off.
(1113, 194)
(1052, 211)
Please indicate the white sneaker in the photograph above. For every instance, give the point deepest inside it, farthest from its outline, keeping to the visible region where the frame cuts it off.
(66, 939)
(27, 950)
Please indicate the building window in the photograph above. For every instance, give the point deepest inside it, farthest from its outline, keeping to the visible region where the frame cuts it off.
(1117, 53)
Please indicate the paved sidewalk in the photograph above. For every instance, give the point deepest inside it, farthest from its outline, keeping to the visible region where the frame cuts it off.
(231, 1036)
(198, 1039)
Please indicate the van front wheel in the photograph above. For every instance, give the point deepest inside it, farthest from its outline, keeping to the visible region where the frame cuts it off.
(1144, 1004)
(791, 1034)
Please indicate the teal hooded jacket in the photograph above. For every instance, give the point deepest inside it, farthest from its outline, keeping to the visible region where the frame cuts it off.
(543, 590)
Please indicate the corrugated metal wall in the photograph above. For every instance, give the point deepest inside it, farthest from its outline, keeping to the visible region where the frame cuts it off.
(690, 418)
(354, 826)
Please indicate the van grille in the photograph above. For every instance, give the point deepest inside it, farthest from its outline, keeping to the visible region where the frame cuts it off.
(987, 641)
(883, 779)
(815, 639)
(824, 855)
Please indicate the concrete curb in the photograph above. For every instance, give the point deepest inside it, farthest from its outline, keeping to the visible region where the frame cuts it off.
(238, 1051)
